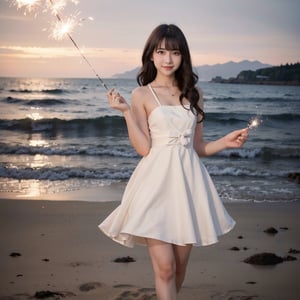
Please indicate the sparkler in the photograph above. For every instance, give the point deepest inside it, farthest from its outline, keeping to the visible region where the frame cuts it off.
(254, 122)
(62, 28)
(28, 5)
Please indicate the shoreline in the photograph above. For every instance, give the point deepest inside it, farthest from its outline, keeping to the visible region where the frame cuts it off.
(62, 250)
(112, 193)
(106, 193)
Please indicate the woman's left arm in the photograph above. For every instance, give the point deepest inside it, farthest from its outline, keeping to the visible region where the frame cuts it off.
(234, 139)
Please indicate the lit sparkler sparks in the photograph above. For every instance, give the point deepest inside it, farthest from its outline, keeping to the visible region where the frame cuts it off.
(62, 28)
(254, 122)
(65, 30)
(28, 5)
(57, 6)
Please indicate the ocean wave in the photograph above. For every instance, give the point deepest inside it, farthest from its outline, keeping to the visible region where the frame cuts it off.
(54, 91)
(124, 151)
(236, 172)
(265, 153)
(238, 117)
(251, 99)
(221, 98)
(44, 102)
(23, 91)
(116, 125)
(241, 153)
(226, 118)
(64, 173)
(11, 100)
(91, 150)
(284, 117)
(34, 102)
(230, 118)
(102, 125)
(61, 173)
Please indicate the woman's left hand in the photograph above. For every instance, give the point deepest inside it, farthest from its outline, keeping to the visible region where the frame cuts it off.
(237, 138)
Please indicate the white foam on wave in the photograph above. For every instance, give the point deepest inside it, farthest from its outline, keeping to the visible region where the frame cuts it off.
(60, 173)
(242, 153)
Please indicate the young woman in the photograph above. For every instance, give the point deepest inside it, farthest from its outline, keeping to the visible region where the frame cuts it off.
(170, 202)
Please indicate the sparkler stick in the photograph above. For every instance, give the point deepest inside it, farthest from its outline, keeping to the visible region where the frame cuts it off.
(76, 46)
(31, 5)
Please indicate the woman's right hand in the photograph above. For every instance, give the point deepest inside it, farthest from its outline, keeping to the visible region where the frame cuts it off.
(236, 138)
(116, 101)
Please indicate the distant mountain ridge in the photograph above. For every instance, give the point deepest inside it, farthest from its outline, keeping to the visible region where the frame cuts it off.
(227, 70)
(207, 72)
(288, 74)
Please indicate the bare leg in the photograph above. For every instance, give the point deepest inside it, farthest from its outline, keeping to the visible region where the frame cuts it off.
(164, 266)
(182, 254)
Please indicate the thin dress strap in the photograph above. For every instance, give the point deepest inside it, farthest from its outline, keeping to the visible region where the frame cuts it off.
(154, 95)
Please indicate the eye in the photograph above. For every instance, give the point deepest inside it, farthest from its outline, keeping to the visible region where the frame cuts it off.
(176, 52)
(160, 51)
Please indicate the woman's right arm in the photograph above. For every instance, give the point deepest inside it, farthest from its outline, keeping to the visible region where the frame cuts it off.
(136, 120)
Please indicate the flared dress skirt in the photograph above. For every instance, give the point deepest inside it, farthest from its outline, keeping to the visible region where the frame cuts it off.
(170, 195)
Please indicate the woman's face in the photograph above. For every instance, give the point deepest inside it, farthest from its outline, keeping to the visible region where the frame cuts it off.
(166, 61)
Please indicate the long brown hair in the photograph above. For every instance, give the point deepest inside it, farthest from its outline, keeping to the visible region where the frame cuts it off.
(185, 77)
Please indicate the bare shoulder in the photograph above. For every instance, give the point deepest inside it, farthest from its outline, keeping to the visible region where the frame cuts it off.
(140, 96)
(142, 99)
(140, 91)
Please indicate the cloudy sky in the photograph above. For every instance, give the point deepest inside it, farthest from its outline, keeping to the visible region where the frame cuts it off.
(217, 31)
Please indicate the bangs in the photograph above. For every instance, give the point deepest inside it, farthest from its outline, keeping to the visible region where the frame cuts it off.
(171, 43)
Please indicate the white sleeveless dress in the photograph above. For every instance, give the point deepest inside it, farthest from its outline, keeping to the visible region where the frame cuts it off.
(170, 196)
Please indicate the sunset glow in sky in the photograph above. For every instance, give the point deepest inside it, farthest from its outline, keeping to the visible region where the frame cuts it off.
(217, 31)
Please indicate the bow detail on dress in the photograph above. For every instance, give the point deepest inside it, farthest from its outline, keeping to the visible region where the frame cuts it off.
(182, 138)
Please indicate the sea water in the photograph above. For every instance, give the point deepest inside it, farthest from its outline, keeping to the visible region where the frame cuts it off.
(59, 135)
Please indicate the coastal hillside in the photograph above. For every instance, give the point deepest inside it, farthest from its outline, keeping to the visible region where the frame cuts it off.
(207, 72)
(288, 74)
(227, 70)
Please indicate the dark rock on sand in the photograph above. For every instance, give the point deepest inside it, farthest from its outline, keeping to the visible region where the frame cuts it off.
(284, 228)
(47, 294)
(264, 258)
(294, 251)
(234, 248)
(125, 259)
(271, 230)
(134, 293)
(89, 286)
(52, 295)
(240, 237)
(117, 286)
(289, 258)
(46, 259)
(15, 254)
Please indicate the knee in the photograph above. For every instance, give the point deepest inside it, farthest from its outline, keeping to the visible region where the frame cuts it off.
(167, 272)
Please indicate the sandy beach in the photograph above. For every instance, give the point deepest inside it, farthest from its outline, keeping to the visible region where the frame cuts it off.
(55, 248)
